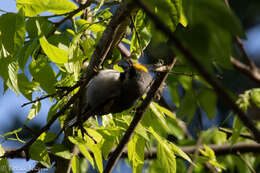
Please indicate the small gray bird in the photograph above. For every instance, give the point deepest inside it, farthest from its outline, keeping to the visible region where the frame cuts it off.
(111, 91)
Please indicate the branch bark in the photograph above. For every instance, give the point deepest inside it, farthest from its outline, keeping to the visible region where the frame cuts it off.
(220, 150)
(253, 73)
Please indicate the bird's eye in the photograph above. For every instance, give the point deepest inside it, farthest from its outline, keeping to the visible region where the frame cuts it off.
(132, 73)
(122, 76)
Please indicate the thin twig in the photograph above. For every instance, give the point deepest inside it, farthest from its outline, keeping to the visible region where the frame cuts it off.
(219, 150)
(229, 132)
(160, 78)
(196, 154)
(246, 162)
(245, 55)
(137, 36)
(61, 90)
(252, 73)
(75, 152)
(70, 15)
(206, 75)
(39, 99)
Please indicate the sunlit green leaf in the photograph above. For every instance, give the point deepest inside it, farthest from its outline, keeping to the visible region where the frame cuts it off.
(142, 33)
(165, 153)
(38, 151)
(237, 128)
(12, 37)
(61, 151)
(136, 148)
(34, 110)
(55, 54)
(13, 78)
(75, 165)
(83, 148)
(75, 57)
(9, 69)
(43, 73)
(35, 7)
(160, 116)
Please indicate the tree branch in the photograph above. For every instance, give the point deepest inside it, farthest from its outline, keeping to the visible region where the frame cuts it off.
(220, 150)
(160, 78)
(207, 76)
(230, 132)
(253, 73)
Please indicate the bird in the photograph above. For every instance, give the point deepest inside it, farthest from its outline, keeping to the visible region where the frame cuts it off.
(111, 91)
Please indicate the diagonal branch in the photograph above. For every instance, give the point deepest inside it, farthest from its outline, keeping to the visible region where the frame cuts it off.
(160, 78)
(206, 75)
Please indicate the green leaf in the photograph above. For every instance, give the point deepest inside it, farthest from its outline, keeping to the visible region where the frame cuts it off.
(22, 55)
(188, 106)
(237, 128)
(25, 86)
(47, 137)
(75, 57)
(38, 151)
(12, 37)
(54, 108)
(35, 7)
(142, 26)
(160, 116)
(83, 149)
(213, 13)
(180, 153)
(95, 148)
(34, 110)
(75, 165)
(165, 153)
(212, 158)
(167, 160)
(172, 85)
(2, 151)
(9, 68)
(88, 46)
(109, 140)
(170, 16)
(165, 110)
(43, 73)
(55, 54)
(61, 151)
(5, 167)
(208, 101)
(92, 146)
(219, 137)
(255, 96)
(136, 147)
(31, 26)
(212, 26)
(12, 83)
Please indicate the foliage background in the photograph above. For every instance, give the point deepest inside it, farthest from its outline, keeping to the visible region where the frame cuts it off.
(250, 19)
